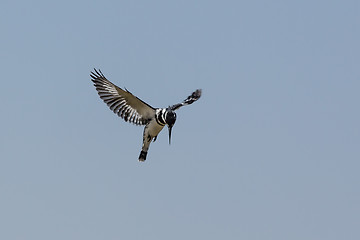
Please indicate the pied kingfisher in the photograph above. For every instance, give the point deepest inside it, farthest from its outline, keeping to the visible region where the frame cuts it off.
(132, 109)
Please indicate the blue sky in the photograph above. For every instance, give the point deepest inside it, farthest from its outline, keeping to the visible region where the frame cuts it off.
(270, 151)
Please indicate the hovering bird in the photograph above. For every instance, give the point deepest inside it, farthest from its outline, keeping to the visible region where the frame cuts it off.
(134, 110)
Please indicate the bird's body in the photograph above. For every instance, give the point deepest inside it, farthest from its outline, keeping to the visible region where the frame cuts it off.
(132, 109)
(151, 130)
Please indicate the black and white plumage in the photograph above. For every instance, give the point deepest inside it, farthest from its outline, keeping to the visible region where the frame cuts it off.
(134, 110)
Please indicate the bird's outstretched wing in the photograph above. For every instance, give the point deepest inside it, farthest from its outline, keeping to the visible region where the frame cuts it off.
(189, 100)
(122, 102)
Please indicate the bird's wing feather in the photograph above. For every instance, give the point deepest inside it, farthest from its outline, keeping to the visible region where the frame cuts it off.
(189, 100)
(122, 102)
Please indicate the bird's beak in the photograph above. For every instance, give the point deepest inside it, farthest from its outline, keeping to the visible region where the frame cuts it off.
(170, 127)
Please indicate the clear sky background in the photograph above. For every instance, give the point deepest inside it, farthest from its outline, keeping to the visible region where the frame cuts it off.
(270, 151)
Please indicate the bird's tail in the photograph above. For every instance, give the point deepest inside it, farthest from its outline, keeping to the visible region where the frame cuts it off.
(142, 156)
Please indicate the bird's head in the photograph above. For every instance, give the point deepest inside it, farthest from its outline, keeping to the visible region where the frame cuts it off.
(170, 118)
